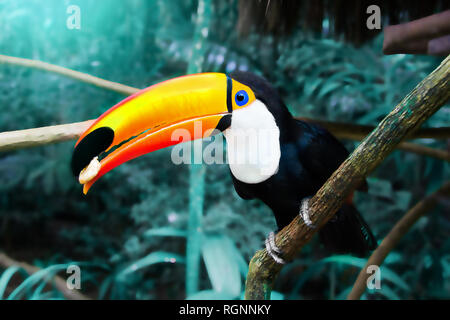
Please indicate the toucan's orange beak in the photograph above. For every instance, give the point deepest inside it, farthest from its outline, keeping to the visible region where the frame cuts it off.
(145, 121)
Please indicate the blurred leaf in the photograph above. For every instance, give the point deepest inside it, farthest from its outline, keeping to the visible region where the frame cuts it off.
(165, 232)
(380, 188)
(211, 295)
(6, 277)
(221, 261)
(35, 278)
(275, 295)
(402, 200)
(445, 262)
(149, 260)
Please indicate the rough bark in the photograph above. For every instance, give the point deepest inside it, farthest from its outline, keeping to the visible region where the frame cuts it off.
(428, 96)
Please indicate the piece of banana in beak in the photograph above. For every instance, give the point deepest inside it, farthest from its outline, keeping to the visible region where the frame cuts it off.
(89, 173)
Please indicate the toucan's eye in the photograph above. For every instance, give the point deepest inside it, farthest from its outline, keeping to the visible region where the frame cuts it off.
(241, 98)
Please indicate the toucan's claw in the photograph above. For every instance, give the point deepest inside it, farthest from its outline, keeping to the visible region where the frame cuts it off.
(304, 213)
(273, 250)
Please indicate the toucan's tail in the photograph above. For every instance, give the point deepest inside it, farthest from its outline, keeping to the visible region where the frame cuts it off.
(347, 232)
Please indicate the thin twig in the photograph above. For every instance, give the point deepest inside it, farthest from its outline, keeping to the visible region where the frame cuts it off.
(60, 283)
(395, 235)
(20, 139)
(80, 76)
(358, 132)
(426, 151)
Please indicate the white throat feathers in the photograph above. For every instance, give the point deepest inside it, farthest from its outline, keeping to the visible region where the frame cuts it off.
(253, 143)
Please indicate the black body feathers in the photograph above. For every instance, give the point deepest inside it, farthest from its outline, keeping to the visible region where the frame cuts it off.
(348, 232)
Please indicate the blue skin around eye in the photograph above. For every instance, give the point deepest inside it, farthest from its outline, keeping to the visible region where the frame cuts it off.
(243, 101)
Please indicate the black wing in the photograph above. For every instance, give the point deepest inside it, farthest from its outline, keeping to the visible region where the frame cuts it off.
(320, 152)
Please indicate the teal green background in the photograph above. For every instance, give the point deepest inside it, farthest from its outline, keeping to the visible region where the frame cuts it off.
(141, 233)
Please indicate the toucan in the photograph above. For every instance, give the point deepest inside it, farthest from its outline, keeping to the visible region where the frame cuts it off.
(286, 166)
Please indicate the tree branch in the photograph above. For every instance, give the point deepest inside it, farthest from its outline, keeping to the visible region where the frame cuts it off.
(358, 132)
(28, 138)
(60, 283)
(422, 36)
(428, 96)
(80, 76)
(394, 236)
(426, 151)
(20, 139)
(41, 136)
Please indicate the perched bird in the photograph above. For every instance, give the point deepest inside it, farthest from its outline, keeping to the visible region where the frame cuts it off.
(272, 156)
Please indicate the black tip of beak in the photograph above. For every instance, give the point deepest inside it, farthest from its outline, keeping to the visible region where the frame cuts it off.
(91, 146)
(224, 123)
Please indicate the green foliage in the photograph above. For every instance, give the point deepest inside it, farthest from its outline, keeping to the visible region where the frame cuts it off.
(37, 286)
(221, 258)
(135, 219)
(40, 277)
(6, 278)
